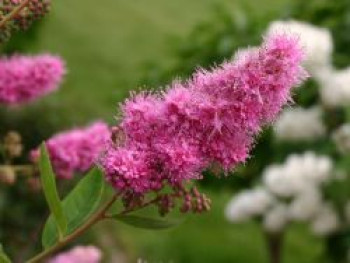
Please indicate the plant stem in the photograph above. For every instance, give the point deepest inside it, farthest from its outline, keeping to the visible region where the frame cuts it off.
(14, 12)
(128, 210)
(22, 169)
(274, 245)
(91, 221)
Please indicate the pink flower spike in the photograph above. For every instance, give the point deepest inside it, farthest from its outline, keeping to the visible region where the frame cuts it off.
(26, 78)
(76, 150)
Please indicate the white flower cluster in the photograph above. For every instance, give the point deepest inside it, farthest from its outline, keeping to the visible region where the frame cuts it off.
(326, 221)
(341, 138)
(347, 211)
(249, 203)
(298, 124)
(298, 174)
(276, 218)
(335, 87)
(289, 192)
(317, 42)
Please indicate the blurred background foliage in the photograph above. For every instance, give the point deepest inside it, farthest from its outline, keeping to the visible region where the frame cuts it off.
(114, 46)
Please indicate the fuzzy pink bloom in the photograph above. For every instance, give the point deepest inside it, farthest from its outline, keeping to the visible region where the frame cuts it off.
(76, 150)
(212, 118)
(26, 78)
(79, 254)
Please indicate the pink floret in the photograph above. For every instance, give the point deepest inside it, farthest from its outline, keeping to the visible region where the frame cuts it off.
(83, 254)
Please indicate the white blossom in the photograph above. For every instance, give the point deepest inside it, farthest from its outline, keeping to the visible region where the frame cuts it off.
(290, 191)
(341, 138)
(317, 42)
(347, 211)
(299, 173)
(276, 218)
(305, 205)
(247, 204)
(281, 182)
(335, 87)
(314, 168)
(326, 221)
(298, 124)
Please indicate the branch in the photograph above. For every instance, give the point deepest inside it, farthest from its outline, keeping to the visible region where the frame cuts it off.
(92, 220)
(14, 12)
(100, 215)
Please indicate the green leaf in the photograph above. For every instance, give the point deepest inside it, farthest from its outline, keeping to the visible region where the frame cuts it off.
(3, 257)
(147, 222)
(78, 206)
(48, 181)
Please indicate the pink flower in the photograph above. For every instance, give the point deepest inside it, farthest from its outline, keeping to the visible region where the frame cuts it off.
(76, 150)
(173, 135)
(83, 254)
(26, 78)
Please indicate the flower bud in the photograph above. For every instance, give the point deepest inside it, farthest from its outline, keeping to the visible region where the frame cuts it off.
(7, 175)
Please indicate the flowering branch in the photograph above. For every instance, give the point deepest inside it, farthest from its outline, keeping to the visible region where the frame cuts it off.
(14, 12)
(162, 140)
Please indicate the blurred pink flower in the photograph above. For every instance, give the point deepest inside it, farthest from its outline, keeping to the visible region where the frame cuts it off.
(26, 78)
(212, 118)
(76, 150)
(79, 254)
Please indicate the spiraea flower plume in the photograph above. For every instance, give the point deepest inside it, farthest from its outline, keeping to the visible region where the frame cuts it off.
(26, 78)
(170, 137)
(76, 150)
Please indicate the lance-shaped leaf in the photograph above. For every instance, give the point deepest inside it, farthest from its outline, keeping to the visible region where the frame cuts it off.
(48, 181)
(78, 206)
(3, 257)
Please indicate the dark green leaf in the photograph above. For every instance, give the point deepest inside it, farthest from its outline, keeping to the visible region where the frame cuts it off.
(3, 257)
(147, 222)
(48, 181)
(78, 205)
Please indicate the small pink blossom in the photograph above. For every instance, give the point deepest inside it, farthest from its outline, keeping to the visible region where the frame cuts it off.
(76, 150)
(26, 78)
(212, 118)
(79, 254)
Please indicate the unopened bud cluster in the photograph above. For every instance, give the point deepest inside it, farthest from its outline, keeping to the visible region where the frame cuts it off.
(13, 144)
(195, 201)
(7, 175)
(34, 10)
(191, 201)
(12, 148)
(187, 200)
